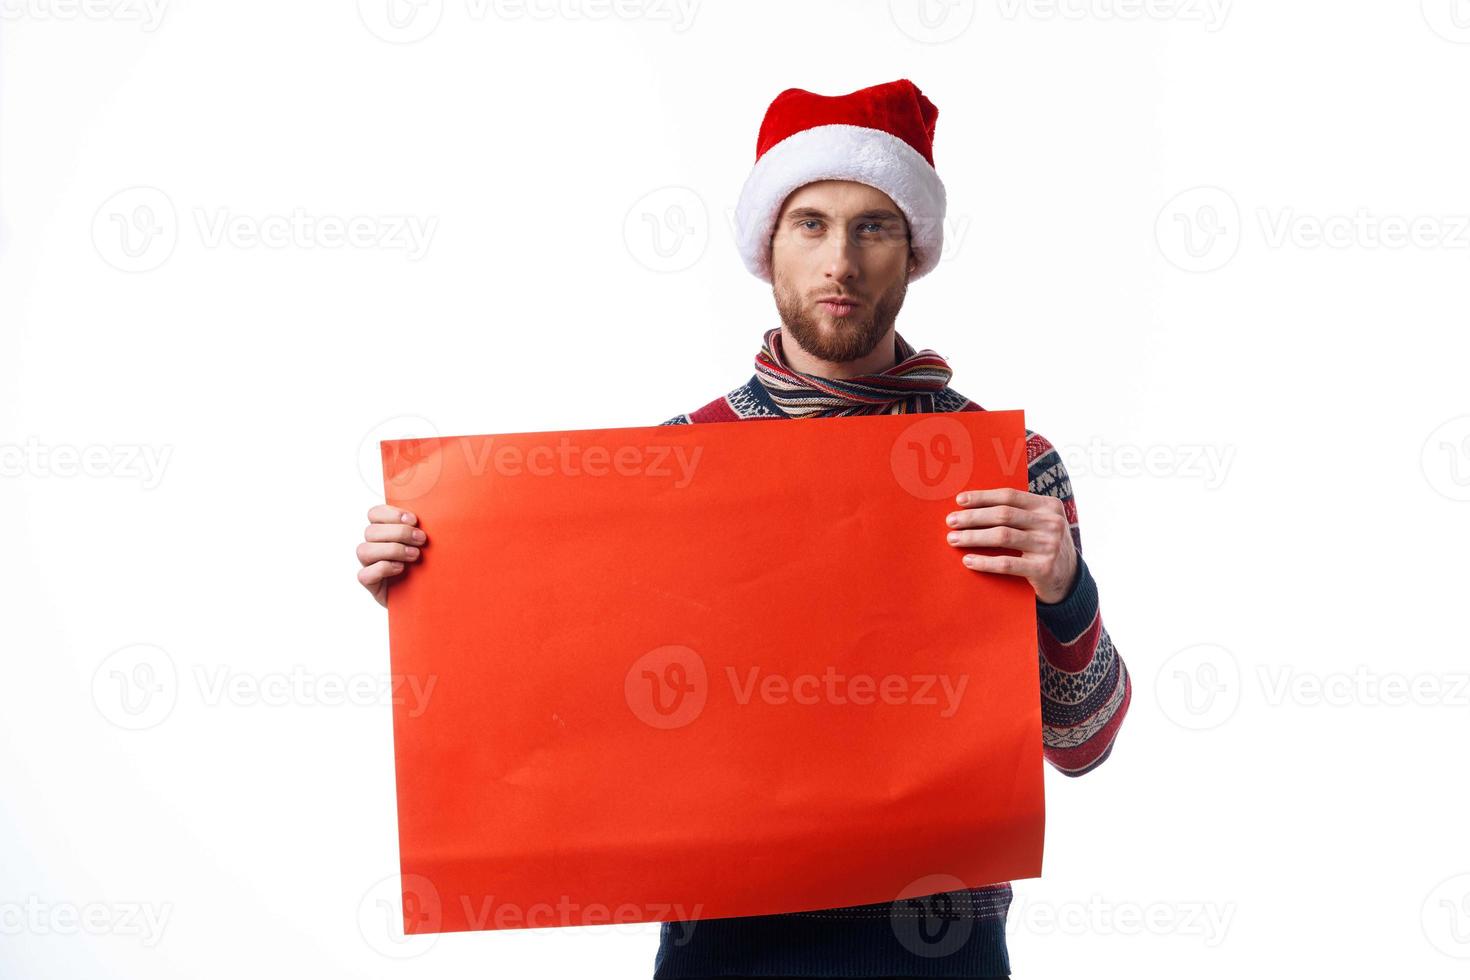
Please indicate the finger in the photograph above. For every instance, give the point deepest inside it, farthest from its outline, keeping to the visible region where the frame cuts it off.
(371, 575)
(394, 532)
(374, 551)
(1002, 564)
(386, 514)
(995, 537)
(996, 515)
(997, 495)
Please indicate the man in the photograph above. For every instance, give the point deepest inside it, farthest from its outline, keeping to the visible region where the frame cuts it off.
(842, 210)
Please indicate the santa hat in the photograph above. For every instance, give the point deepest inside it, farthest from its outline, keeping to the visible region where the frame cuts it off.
(882, 136)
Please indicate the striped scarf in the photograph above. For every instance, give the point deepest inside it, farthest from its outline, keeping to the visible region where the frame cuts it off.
(908, 386)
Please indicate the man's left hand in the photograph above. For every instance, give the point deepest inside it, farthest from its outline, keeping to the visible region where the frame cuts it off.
(1032, 523)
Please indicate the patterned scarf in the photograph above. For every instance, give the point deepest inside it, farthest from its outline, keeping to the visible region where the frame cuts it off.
(908, 386)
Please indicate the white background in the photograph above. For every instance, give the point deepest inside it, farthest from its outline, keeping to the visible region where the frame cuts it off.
(1285, 348)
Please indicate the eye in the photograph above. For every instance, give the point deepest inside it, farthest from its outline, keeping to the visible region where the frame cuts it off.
(809, 221)
(875, 225)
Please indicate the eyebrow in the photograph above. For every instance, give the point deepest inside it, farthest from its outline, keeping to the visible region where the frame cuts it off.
(809, 212)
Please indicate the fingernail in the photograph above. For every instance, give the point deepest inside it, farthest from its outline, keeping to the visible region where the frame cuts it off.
(953, 519)
(408, 518)
(418, 536)
(954, 537)
(411, 551)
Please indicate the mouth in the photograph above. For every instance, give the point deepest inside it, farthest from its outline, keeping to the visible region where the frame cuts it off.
(838, 307)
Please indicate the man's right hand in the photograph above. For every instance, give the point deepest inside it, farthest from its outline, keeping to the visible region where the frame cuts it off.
(389, 543)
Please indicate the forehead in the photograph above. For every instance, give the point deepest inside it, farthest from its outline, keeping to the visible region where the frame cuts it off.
(840, 198)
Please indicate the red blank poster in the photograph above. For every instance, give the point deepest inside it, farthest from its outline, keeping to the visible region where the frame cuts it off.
(728, 669)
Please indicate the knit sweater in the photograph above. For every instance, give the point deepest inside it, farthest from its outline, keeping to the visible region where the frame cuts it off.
(1085, 692)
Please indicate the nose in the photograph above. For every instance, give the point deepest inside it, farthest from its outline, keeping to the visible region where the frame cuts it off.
(842, 263)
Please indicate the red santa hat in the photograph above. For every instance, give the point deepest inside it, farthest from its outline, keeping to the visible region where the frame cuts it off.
(882, 136)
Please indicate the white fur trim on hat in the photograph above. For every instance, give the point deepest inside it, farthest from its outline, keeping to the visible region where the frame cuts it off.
(841, 152)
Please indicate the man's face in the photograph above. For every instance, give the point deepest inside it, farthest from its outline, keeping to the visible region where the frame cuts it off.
(840, 238)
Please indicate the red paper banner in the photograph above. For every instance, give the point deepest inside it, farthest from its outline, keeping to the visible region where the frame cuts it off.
(728, 669)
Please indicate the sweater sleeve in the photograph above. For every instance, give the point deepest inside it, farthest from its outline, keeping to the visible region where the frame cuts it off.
(1085, 688)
